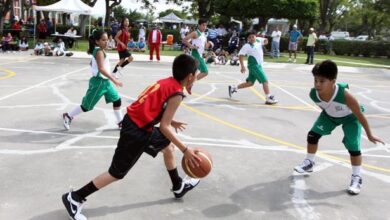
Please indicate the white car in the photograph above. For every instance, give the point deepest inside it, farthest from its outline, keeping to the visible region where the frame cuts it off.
(362, 37)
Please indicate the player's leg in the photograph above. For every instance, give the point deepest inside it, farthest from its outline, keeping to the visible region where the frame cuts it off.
(322, 126)
(352, 137)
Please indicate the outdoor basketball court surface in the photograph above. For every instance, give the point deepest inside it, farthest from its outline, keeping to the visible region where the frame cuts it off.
(254, 146)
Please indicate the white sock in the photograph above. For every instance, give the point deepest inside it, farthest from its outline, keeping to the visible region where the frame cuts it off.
(75, 111)
(118, 115)
(310, 156)
(356, 170)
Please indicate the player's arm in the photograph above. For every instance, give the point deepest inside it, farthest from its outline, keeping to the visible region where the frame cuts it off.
(165, 123)
(186, 40)
(102, 70)
(265, 41)
(118, 34)
(353, 104)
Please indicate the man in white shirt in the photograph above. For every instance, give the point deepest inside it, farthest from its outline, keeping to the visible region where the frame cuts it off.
(276, 34)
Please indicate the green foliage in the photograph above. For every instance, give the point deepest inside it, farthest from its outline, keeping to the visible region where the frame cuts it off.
(362, 48)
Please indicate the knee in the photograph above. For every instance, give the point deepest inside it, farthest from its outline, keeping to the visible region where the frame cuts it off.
(313, 138)
(117, 103)
(169, 150)
(355, 153)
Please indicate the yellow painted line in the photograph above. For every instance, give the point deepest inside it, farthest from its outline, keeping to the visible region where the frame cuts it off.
(269, 138)
(257, 93)
(9, 74)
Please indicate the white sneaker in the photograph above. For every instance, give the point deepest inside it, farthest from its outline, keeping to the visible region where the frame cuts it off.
(67, 120)
(271, 100)
(73, 207)
(356, 185)
(232, 90)
(306, 166)
(186, 185)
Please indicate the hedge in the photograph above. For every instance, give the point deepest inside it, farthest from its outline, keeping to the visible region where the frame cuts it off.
(342, 47)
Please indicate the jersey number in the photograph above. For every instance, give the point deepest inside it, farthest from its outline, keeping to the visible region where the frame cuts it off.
(147, 91)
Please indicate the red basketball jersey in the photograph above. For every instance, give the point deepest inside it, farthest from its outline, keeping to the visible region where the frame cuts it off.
(147, 111)
(124, 38)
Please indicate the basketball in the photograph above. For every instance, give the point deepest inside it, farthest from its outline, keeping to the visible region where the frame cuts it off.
(204, 167)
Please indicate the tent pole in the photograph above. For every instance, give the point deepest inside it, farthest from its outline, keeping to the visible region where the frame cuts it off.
(35, 24)
(89, 26)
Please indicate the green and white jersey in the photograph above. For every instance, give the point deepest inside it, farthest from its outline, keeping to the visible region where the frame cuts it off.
(200, 42)
(94, 66)
(336, 107)
(254, 52)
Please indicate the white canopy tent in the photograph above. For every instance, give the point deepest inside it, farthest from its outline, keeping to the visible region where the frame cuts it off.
(73, 6)
(171, 18)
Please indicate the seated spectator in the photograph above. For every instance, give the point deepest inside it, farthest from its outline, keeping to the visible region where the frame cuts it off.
(59, 48)
(131, 45)
(234, 41)
(141, 47)
(111, 43)
(6, 42)
(210, 57)
(39, 48)
(47, 49)
(70, 41)
(23, 44)
(234, 61)
(222, 57)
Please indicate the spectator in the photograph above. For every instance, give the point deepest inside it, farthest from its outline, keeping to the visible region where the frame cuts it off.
(183, 32)
(39, 48)
(23, 44)
(17, 28)
(141, 45)
(311, 41)
(6, 42)
(154, 41)
(234, 41)
(59, 47)
(69, 40)
(221, 31)
(295, 35)
(111, 43)
(114, 27)
(213, 36)
(276, 34)
(47, 49)
(42, 29)
(141, 33)
(131, 45)
(235, 58)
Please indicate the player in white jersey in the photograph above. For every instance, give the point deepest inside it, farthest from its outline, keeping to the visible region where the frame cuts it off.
(197, 42)
(339, 107)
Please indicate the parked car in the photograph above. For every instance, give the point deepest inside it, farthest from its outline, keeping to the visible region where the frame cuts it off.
(362, 37)
(340, 35)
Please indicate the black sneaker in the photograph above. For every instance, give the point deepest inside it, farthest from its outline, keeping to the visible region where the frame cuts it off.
(306, 166)
(231, 90)
(186, 186)
(67, 120)
(72, 206)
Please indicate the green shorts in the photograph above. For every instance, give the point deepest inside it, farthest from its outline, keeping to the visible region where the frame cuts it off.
(202, 64)
(256, 72)
(351, 126)
(99, 87)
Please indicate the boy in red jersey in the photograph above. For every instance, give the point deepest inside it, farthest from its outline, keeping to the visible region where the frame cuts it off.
(157, 104)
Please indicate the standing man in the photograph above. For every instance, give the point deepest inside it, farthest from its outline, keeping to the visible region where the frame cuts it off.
(154, 41)
(311, 41)
(275, 52)
(293, 44)
(196, 41)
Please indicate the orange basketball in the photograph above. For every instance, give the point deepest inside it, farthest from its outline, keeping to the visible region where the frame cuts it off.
(204, 167)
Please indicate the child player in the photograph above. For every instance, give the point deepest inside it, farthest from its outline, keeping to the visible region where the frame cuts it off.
(157, 104)
(101, 82)
(339, 107)
(254, 50)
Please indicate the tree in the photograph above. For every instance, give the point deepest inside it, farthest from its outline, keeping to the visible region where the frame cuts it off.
(180, 14)
(331, 11)
(5, 7)
(266, 9)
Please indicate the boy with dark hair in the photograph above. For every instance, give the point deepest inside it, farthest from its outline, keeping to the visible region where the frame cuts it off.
(339, 107)
(156, 104)
(254, 50)
(197, 42)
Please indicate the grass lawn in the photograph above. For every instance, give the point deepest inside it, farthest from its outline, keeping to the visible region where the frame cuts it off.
(301, 58)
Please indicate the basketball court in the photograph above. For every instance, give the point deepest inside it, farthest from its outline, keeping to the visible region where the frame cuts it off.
(254, 146)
